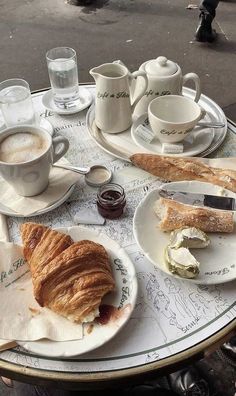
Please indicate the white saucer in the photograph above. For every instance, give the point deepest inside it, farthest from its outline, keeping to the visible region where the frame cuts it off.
(9, 212)
(194, 144)
(84, 101)
(43, 122)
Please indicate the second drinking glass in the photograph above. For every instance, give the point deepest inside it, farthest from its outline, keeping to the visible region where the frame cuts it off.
(63, 75)
(16, 102)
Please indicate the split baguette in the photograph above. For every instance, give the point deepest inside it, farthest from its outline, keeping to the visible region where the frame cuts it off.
(179, 169)
(175, 215)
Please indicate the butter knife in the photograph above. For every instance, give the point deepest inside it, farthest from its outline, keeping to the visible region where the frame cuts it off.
(211, 201)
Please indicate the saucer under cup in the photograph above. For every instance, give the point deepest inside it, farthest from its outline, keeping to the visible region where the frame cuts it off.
(193, 144)
(84, 101)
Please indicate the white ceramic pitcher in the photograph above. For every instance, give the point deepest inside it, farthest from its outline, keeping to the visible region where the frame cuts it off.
(164, 78)
(113, 108)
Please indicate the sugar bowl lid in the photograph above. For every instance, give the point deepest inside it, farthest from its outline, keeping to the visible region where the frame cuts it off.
(161, 67)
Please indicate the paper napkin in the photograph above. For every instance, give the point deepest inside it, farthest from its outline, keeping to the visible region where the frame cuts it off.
(21, 317)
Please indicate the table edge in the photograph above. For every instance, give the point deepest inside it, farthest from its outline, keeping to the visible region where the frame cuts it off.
(200, 350)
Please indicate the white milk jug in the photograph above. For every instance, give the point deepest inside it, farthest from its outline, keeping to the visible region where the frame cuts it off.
(113, 103)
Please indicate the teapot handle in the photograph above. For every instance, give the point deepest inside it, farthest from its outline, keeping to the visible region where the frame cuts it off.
(196, 80)
(142, 90)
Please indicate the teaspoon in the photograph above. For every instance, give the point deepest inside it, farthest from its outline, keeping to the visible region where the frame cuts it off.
(82, 170)
(211, 124)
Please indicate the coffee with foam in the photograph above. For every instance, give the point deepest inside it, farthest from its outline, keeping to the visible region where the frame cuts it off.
(22, 147)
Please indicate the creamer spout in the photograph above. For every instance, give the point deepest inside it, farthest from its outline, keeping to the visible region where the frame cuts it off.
(95, 72)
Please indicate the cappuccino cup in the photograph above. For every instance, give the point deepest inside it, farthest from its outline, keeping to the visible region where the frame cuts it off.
(172, 117)
(26, 155)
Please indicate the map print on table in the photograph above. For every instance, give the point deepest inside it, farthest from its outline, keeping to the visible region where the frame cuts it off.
(170, 314)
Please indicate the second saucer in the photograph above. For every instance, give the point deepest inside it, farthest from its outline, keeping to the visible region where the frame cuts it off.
(84, 101)
(194, 143)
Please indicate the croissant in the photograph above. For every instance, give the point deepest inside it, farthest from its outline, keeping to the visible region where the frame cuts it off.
(70, 278)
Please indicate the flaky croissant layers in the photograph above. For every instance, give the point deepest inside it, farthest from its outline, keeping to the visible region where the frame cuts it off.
(70, 278)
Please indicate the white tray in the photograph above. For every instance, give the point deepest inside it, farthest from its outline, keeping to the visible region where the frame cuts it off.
(122, 146)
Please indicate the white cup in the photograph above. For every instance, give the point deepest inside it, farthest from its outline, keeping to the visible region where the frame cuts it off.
(25, 161)
(172, 117)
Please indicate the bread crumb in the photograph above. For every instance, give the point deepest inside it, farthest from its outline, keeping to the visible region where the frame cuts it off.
(89, 328)
(34, 311)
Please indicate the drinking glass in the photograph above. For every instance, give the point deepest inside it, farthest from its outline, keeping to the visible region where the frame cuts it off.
(16, 103)
(63, 75)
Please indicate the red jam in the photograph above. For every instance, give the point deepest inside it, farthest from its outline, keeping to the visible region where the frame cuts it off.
(111, 201)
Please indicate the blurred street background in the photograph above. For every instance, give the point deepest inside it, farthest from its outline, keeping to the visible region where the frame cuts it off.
(131, 30)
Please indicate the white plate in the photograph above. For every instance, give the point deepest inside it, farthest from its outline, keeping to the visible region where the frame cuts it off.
(122, 146)
(194, 144)
(217, 261)
(9, 212)
(85, 100)
(124, 297)
(42, 123)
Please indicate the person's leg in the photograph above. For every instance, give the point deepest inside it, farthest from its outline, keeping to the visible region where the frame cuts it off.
(207, 14)
(209, 6)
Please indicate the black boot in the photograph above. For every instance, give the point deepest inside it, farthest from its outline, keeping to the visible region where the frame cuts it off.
(204, 30)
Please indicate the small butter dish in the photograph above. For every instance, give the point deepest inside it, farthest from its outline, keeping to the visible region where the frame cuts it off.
(98, 176)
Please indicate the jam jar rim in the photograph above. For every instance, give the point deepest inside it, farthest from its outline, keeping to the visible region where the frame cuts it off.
(111, 203)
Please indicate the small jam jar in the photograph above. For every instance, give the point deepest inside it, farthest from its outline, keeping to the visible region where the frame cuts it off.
(111, 201)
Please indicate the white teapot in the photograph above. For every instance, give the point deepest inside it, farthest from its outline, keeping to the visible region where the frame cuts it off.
(164, 78)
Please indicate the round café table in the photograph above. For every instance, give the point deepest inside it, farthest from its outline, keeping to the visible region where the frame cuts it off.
(162, 335)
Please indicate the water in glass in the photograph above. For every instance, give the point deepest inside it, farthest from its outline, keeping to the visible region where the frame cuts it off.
(16, 105)
(63, 76)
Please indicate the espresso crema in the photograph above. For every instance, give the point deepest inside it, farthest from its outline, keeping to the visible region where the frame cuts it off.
(22, 147)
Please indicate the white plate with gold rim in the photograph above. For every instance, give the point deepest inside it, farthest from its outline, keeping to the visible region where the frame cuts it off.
(217, 261)
(121, 145)
(123, 297)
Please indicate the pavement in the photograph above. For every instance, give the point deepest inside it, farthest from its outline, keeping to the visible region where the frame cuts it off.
(131, 30)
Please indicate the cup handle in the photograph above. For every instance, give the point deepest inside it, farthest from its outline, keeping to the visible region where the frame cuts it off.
(133, 76)
(196, 79)
(201, 127)
(63, 144)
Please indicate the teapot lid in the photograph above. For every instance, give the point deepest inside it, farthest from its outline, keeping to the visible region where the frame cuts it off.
(161, 67)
